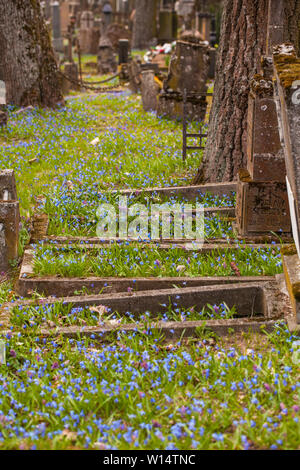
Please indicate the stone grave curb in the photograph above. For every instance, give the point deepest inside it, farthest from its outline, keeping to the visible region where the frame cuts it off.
(251, 300)
(50, 285)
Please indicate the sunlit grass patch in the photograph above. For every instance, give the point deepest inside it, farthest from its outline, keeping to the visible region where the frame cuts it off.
(141, 393)
(139, 260)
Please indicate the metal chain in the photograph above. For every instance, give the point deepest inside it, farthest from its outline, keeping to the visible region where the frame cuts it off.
(89, 87)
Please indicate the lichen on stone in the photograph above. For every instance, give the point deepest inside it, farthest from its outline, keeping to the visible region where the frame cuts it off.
(287, 64)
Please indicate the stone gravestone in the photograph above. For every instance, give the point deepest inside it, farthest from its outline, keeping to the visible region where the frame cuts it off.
(186, 13)
(56, 28)
(115, 32)
(262, 200)
(107, 61)
(88, 34)
(188, 70)
(9, 220)
(166, 31)
(150, 90)
(123, 51)
(287, 67)
(3, 113)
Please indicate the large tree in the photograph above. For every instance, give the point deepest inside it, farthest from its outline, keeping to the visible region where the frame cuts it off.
(27, 62)
(144, 25)
(243, 42)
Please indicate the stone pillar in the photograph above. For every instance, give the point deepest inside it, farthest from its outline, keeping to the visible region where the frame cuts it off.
(3, 112)
(262, 200)
(123, 51)
(56, 28)
(71, 71)
(88, 34)
(9, 220)
(165, 32)
(150, 91)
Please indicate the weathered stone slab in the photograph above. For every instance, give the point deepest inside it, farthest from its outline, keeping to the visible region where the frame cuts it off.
(188, 192)
(262, 207)
(9, 232)
(150, 90)
(291, 266)
(264, 150)
(107, 62)
(188, 71)
(53, 285)
(8, 190)
(169, 330)
(287, 67)
(248, 299)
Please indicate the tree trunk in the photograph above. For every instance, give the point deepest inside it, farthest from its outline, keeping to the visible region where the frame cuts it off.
(243, 42)
(291, 23)
(27, 63)
(144, 26)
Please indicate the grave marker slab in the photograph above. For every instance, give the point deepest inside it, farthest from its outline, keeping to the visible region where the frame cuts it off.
(287, 67)
(9, 219)
(2, 93)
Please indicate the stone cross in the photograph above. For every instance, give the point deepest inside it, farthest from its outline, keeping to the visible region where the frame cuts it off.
(56, 27)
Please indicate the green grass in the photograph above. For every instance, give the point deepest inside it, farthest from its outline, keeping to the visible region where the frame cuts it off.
(141, 393)
(30, 318)
(131, 260)
(51, 151)
(137, 392)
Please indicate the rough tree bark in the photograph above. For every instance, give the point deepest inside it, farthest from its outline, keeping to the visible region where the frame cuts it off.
(243, 42)
(144, 26)
(27, 63)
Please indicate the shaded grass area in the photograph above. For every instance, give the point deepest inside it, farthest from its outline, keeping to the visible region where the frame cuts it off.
(136, 260)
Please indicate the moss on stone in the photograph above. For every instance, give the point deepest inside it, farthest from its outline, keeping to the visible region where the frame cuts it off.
(287, 65)
(289, 250)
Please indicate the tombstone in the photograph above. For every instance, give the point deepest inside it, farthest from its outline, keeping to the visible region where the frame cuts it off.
(204, 25)
(71, 72)
(64, 16)
(123, 51)
(166, 31)
(3, 112)
(150, 91)
(188, 70)
(287, 70)
(212, 62)
(115, 32)
(88, 34)
(9, 220)
(56, 28)
(186, 13)
(262, 200)
(107, 62)
(134, 71)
